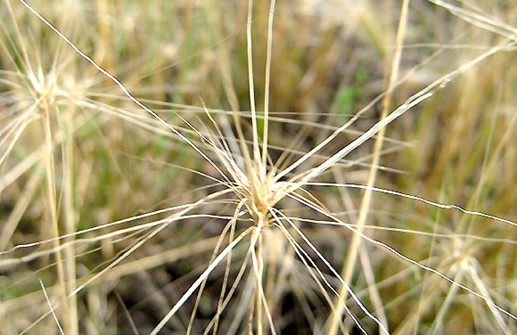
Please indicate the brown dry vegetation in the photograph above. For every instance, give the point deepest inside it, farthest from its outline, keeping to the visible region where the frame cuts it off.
(315, 167)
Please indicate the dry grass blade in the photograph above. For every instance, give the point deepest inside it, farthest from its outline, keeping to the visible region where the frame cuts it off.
(258, 167)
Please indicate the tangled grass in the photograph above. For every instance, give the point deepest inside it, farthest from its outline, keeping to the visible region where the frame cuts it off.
(263, 167)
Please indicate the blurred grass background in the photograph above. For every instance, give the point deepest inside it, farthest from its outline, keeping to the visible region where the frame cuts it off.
(77, 154)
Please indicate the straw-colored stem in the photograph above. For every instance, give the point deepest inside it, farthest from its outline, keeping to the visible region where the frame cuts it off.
(355, 244)
(267, 81)
(52, 209)
(69, 224)
(258, 296)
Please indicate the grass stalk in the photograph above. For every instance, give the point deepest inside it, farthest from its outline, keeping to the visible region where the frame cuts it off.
(245, 213)
(50, 173)
(355, 244)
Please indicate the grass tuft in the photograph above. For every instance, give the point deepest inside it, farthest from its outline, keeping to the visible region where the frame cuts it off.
(257, 167)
